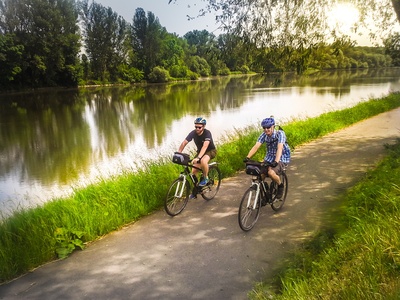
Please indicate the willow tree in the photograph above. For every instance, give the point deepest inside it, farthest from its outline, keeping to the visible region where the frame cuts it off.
(292, 28)
(270, 21)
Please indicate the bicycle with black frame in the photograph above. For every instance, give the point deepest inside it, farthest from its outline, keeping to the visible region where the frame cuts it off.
(180, 189)
(260, 193)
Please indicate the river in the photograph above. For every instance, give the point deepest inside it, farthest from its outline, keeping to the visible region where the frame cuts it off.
(53, 141)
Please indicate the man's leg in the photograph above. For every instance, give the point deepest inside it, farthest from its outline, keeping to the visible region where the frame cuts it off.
(204, 166)
(273, 173)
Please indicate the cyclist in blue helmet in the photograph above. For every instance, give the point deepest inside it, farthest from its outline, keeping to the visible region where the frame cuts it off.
(277, 151)
(206, 150)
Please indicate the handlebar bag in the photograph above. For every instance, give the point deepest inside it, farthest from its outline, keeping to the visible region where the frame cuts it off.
(180, 158)
(253, 169)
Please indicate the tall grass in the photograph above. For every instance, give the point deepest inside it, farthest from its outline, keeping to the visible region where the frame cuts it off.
(31, 237)
(360, 261)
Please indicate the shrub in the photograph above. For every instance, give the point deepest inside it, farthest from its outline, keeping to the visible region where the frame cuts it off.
(159, 75)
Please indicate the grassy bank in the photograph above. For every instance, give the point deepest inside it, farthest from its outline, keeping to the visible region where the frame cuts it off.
(359, 260)
(32, 237)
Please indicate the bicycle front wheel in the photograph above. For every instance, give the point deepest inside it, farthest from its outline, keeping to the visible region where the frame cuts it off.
(277, 204)
(177, 197)
(214, 181)
(249, 209)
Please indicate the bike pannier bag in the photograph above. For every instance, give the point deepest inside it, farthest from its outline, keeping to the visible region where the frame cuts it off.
(253, 169)
(181, 158)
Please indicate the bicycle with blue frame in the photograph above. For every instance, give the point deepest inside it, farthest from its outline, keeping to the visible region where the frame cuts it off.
(187, 183)
(260, 193)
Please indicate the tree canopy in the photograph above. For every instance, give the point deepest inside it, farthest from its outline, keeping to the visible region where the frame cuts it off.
(300, 22)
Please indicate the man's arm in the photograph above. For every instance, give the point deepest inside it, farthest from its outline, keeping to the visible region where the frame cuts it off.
(183, 145)
(203, 149)
(254, 149)
(279, 152)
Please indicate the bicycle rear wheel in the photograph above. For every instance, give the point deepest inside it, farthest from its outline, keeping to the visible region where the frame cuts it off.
(214, 181)
(278, 203)
(177, 197)
(249, 209)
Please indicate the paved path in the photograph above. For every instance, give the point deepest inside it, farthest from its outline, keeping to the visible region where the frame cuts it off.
(202, 253)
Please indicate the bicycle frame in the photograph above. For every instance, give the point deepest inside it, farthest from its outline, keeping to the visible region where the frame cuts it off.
(260, 193)
(179, 191)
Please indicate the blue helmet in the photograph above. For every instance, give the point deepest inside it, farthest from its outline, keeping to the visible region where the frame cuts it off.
(200, 120)
(268, 122)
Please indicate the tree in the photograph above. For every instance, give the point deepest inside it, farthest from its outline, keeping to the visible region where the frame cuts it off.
(49, 34)
(10, 59)
(392, 48)
(292, 23)
(105, 35)
(147, 39)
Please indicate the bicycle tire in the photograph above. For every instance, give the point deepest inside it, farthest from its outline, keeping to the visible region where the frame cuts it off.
(174, 205)
(277, 204)
(248, 215)
(214, 181)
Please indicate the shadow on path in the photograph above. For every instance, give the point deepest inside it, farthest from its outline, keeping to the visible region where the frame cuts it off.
(202, 253)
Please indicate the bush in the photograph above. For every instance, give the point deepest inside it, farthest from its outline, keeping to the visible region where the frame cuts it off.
(244, 69)
(177, 71)
(159, 75)
(130, 74)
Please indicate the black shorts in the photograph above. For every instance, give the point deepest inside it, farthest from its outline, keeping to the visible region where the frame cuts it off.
(278, 169)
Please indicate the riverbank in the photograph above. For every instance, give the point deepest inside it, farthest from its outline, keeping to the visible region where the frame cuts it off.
(360, 258)
(63, 225)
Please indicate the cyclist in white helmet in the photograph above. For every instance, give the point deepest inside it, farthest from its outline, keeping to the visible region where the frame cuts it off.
(206, 151)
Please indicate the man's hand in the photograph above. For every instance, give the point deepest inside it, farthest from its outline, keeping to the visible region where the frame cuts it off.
(274, 164)
(246, 159)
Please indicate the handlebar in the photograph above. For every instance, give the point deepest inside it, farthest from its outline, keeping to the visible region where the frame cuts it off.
(249, 161)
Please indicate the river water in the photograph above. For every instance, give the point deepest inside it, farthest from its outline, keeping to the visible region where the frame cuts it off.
(53, 141)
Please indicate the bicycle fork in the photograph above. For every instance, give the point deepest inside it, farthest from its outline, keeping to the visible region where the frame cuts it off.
(180, 187)
(257, 191)
(265, 195)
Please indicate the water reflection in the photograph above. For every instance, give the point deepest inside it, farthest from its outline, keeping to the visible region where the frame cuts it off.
(51, 140)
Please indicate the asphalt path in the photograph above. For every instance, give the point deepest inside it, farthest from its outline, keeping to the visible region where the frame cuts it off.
(202, 253)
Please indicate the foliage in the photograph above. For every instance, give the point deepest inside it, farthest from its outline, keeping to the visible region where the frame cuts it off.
(159, 75)
(10, 59)
(392, 48)
(67, 241)
(294, 24)
(130, 74)
(48, 58)
(105, 34)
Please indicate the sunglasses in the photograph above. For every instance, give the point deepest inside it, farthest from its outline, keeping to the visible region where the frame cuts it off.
(265, 127)
(198, 127)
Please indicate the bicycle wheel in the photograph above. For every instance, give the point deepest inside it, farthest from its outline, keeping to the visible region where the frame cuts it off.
(214, 181)
(278, 203)
(249, 209)
(177, 197)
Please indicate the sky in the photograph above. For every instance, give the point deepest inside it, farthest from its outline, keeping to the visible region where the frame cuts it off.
(174, 16)
(171, 16)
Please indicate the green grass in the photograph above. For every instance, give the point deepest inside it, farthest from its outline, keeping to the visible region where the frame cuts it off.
(35, 236)
(358, 260)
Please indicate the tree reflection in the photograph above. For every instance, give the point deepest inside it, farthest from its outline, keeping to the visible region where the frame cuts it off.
(56, 136)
